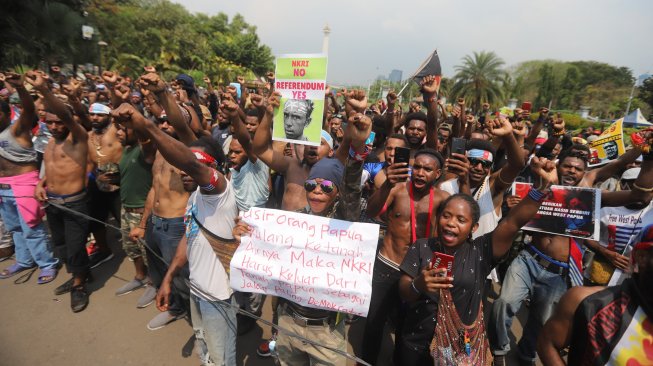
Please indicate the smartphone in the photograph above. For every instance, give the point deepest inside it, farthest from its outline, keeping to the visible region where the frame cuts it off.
(526, 106)
(458, 146)
(441, 260)
(370, 140)
(402, 155)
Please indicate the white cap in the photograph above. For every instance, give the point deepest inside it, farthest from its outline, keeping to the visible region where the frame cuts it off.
(631, 174)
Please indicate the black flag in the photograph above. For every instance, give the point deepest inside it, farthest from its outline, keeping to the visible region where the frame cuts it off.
(430, 66)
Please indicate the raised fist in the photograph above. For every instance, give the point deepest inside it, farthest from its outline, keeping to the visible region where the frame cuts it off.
(357, 100)
(15, 80)
(430, 85)
(153, 83)
(109, 77)
(37, 80)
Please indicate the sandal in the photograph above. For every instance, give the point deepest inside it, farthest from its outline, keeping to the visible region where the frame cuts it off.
(47, 275)
(13, 270)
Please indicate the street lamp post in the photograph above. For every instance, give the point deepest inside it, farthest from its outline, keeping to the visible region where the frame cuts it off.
(101, 45)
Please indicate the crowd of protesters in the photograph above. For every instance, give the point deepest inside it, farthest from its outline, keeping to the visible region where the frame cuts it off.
(173, 164)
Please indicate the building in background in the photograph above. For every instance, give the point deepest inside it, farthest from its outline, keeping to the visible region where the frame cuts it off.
(395, 76)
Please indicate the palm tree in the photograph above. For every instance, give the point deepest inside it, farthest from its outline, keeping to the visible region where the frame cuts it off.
(478, 79)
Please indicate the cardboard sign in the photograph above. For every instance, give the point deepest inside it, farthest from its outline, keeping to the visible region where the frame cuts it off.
(609, 145)
(569, 211)
(301, 80)
(311, 260)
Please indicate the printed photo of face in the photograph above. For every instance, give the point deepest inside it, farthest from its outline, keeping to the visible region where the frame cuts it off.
(296, 117)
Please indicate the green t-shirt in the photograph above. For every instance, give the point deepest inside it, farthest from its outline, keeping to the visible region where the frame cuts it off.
(135, 177)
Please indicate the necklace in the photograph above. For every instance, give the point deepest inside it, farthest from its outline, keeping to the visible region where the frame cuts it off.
(413, 218)
(479, 190)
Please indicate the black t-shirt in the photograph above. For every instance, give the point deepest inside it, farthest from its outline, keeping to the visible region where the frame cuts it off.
(472, 263)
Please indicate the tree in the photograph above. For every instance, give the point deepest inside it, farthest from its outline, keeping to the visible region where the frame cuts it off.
(546, 87)
(646, 92)
(478, 79)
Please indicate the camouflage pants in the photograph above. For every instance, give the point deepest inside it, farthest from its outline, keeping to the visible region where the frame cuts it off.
(128, 221)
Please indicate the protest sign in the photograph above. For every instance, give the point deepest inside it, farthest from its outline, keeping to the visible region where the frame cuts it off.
(609, 145)
(568, 211)
(311, 260)
(301, 80)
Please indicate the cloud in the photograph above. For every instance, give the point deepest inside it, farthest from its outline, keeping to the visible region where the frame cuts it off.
(372, 38)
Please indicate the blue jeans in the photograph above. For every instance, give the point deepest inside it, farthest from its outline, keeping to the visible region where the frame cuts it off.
(162, 237)
(524, 277)
(214, 325)
(31, 243)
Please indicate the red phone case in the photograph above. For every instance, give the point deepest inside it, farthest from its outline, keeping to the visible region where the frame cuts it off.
(441, 260)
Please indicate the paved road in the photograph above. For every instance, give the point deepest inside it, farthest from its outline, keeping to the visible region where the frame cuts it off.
(38, 328)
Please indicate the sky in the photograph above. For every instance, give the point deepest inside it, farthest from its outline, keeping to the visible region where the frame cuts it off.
(370, 38)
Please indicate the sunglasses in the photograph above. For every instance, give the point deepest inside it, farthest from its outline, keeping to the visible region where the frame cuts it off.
(475, 161)
(326, 186)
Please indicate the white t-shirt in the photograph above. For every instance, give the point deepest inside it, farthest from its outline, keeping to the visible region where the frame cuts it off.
(216, 212)
(251, 184)
(489, 218)
(619, 224)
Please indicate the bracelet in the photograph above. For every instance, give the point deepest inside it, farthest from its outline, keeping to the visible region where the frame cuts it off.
(536, 195)
(412, 284)
(145, 142)
(642, 189)
(141, 227)
(358, 156)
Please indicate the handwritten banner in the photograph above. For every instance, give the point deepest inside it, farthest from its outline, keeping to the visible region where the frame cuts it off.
(301, 80)
(609, 146)
(311, 260)
(569, 211)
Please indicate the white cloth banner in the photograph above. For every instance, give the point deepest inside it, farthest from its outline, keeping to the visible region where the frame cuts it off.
(311, 260)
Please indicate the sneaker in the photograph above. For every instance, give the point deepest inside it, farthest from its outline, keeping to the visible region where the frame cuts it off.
(6, 253)
(131, 286)
(163, 319)
(147, 298)
(78, 298)
(99, 258)
(263, 349)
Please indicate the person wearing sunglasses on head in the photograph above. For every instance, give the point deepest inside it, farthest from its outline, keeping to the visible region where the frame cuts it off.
(332, 189)
(474, 175)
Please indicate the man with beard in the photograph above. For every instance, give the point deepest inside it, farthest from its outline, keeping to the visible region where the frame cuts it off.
(163, 216)
(135, 183)
(64, 184)
(209, 216)
(19, 175)
(605, 325)
(295, 171)
(104, 153)
(415, 131)
(540, 270)
(409, 208)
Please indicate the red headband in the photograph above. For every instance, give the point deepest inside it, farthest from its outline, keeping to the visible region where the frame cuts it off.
(204, 157)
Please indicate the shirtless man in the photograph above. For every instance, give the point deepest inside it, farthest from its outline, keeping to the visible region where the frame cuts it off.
(65, 184)
(294, 170)
(19, 175)
(163, 216)
(104, 153)
(540, 269)
(410, 210)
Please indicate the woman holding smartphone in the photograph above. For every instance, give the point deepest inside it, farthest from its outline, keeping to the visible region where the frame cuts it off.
(444, 323)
